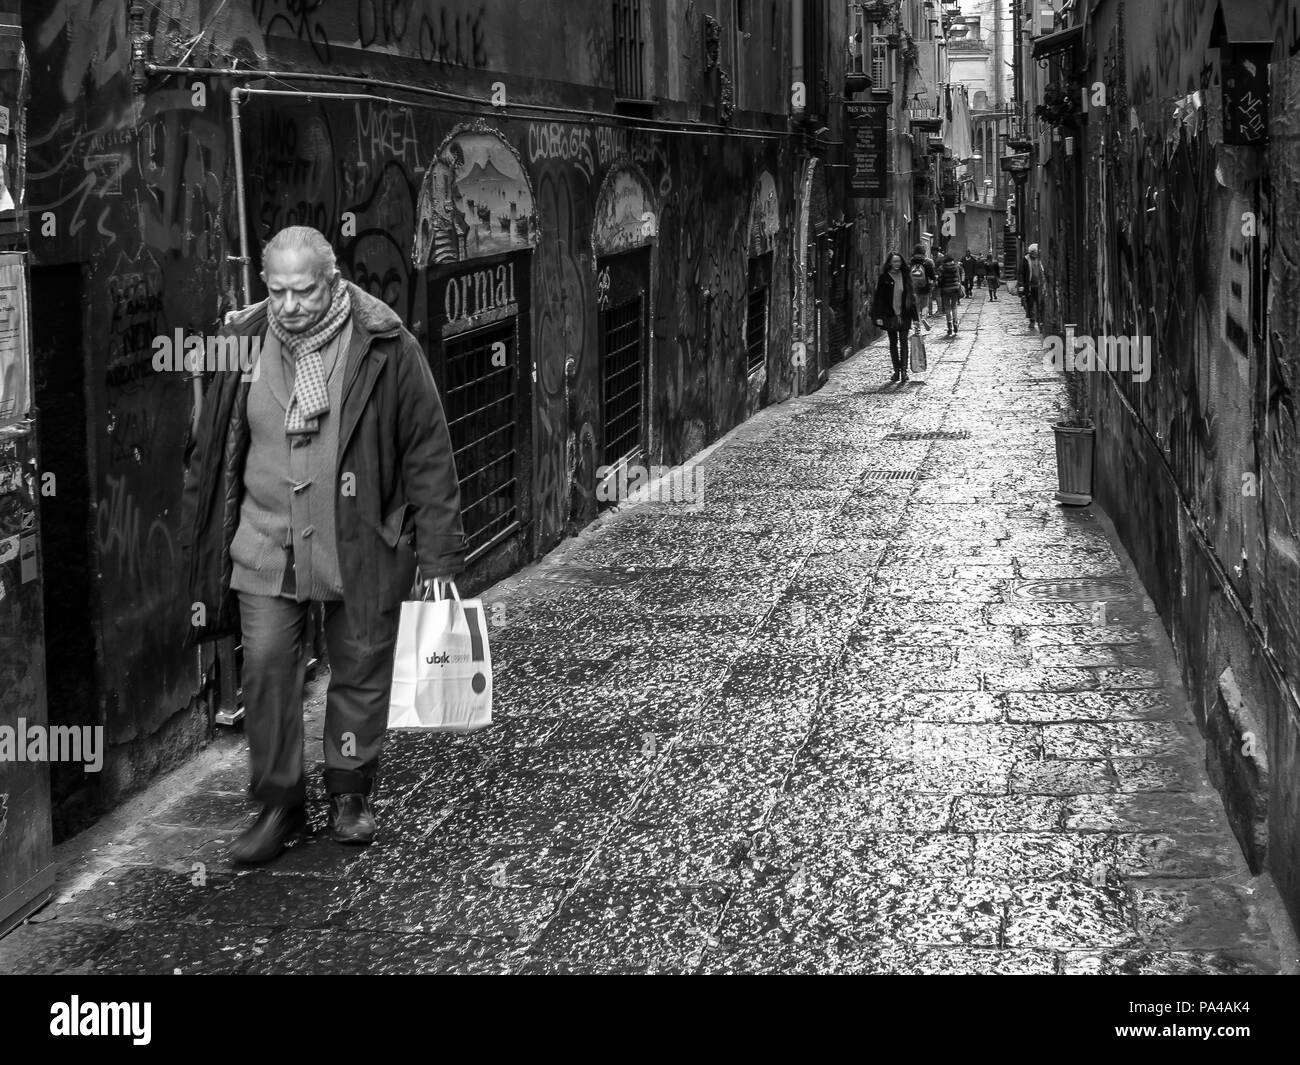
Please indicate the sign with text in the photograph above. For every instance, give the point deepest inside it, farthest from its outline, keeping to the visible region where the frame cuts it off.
(868, 149)
(15, 356)
(476, 298)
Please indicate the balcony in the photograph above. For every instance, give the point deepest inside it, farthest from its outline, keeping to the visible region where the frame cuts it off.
(923, 116)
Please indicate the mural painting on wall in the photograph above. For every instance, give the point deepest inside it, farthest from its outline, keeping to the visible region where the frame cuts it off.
(764, 215)
(625, 216)
(475, 200)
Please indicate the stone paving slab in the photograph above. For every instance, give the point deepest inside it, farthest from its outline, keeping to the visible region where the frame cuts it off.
(831, 722)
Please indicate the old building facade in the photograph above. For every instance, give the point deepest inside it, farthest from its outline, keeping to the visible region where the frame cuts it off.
(1159, 206)
(614, 247)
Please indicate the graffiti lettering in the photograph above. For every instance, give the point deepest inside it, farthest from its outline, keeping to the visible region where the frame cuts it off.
(550, 140)
(440, 36)
(592, 150)
(118, 528)
(182, 156)
(389, 132)
(296, 19)
(135, 319)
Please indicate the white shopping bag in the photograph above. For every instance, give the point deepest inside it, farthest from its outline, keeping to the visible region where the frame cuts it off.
(442, 669)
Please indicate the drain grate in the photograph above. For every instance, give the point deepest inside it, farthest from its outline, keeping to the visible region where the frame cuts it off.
(1085, 591)
(931, 434)
(890, 475)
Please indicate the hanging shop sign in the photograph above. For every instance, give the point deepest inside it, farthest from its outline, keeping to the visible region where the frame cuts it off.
(15, 354)
(479, 297)
(868, 148)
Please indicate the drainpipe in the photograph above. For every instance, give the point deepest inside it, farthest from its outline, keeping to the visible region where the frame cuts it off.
(796, 53)
(241, 205)
(139, 45)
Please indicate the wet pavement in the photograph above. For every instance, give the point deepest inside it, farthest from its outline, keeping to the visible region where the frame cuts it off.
(880, 705)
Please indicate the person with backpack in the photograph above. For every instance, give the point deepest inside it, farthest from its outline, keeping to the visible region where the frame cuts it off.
(923, 276)
(894, 307)
(949, 290)
(992, 277)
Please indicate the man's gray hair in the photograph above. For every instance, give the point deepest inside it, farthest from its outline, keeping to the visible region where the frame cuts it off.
(304, 238)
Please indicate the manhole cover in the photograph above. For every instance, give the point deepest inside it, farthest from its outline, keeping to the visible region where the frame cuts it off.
(934, 434)
(1054, 591)
(890, 475)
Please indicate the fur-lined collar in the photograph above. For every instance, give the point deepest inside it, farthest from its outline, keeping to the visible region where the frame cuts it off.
(368, 314)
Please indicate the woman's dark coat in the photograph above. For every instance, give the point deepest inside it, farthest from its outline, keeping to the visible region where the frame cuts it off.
(398, 498)
(882, 300)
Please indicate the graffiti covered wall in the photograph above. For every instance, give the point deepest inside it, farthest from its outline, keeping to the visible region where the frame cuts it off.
(138, 194)
(1189, 241)
(131, 179)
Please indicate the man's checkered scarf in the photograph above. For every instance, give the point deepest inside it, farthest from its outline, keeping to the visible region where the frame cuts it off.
(310, 397)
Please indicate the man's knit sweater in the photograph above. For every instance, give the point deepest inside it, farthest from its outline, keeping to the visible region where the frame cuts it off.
(289, 490)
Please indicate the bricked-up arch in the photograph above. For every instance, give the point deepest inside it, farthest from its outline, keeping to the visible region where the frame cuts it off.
(475, 200)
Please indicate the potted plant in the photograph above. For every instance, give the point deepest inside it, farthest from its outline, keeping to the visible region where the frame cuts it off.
(1074, 442)
(1060, 106)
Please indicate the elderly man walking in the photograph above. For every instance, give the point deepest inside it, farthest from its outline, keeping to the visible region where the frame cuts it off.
(325, 477)
(1031, 285)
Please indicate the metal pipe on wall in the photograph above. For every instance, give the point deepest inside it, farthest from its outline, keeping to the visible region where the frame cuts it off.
(241, 203)
(796, 53)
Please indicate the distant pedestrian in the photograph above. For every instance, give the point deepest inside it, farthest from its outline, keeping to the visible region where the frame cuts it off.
(1031, 285)
(328, 477)
(923, 276)
(949, 291)
(992, 277)
(894, 308)
(967, 272)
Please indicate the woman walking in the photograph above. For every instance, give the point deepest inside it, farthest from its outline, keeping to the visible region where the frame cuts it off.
(893, 308)
(993, 276)
(949, 291)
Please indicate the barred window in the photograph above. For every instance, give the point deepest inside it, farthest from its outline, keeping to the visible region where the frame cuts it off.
(629, 50)
(623, 354)
(481, 403)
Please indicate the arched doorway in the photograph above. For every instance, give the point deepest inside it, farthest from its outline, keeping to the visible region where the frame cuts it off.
(624, 230)
(476, 227)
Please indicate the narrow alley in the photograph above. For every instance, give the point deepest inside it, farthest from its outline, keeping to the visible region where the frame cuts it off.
(880, 705)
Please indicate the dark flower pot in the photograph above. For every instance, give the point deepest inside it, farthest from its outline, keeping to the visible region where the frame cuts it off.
(1074, 464)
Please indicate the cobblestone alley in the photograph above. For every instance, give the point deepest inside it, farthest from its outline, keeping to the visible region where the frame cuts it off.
(881, 705)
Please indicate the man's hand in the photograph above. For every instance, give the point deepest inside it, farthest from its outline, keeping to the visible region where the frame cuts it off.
(429, 585)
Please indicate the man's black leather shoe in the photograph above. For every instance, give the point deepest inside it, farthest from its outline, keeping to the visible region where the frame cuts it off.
(275, 827)
(351, 819)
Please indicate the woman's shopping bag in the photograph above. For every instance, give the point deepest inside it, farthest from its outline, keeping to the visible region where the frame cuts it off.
(442, 668)
(916, 353)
